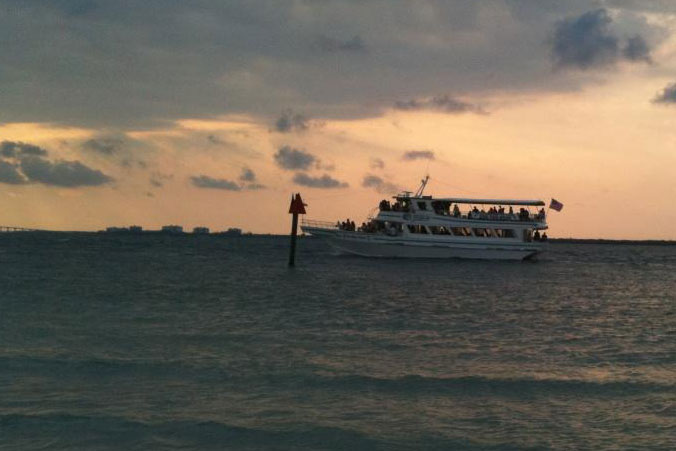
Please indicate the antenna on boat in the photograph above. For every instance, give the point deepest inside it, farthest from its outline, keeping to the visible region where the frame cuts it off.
(423, 184)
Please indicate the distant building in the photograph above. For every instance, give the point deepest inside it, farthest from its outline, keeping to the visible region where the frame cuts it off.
(201, 230)
(172, 229)
(135, 229)
(116, 229)
(233, 231)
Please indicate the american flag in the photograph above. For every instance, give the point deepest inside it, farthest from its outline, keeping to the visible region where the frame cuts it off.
(555, 205)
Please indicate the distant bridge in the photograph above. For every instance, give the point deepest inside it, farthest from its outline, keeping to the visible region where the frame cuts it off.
(18, 229)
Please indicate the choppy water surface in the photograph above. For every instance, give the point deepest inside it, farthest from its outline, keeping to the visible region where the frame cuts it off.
(159, 342)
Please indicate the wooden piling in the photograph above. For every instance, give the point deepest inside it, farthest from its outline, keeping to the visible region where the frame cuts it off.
(297, 207)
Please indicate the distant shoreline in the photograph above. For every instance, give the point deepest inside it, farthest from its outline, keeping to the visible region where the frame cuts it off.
(251, 235)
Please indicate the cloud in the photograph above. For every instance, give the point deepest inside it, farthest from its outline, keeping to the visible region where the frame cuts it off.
(332, 45)
(636, 49)
(158, 179)
(418, 155)
(22, 163)
(177, 60)
(255, 186)
(380, 185)
(290, 121)
(377, 163)
(291, 159)
(204, 181)
(586, 42)
(69, 174)
(10, 174)
(247, 175)
(325, 181)
(104, 145)
(215, 140)
(442, 103)
(14, 149)
(667, 95)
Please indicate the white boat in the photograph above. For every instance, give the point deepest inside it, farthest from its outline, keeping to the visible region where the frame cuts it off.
(418, 226)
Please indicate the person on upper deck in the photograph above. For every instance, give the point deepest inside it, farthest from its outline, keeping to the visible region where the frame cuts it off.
(541, 214)
(456, 211)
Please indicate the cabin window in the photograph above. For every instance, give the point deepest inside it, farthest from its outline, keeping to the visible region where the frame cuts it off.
(479, 232)
(504, 233)
(415, 228)
(460, 231)
(422, 205)
(439, 230)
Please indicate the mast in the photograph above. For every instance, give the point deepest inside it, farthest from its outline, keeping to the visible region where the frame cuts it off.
(423, 184)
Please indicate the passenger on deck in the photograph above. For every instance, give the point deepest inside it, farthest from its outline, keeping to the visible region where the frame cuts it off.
(536, 236)
(456, 211)
(541, 214)
(544, 237)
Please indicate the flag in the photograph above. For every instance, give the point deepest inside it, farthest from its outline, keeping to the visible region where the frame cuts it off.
(555, 205)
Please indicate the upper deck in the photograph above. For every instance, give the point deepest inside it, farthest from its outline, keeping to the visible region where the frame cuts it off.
(498, 210)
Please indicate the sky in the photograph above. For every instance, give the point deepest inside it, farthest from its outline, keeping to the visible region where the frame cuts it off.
(211, 112)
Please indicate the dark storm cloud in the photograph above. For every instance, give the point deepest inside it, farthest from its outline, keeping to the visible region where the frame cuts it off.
(289, 158)
(69, 174)
(10, 174)
(104, 145)
(442, 103)
(290, 121)
(587, 42)
(418, 155)
(328, 44)
(667, 95)
(636, 49)
(128, 64)
(379, 184)
(325, 181)
(204, 181)
(13, 149)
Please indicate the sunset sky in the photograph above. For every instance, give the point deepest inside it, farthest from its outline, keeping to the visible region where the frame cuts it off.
(211, 113)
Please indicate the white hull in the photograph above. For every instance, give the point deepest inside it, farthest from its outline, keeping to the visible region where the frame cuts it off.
(372, 245)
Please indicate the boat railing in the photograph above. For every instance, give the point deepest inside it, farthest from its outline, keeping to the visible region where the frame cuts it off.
(319, 224)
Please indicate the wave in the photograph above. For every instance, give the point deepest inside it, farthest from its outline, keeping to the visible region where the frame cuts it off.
(474, 385)
(81, 431)
(309, 378)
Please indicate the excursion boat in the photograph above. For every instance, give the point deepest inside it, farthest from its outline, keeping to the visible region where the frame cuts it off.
(419, 226)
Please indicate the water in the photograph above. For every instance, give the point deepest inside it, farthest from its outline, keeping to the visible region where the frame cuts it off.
(159, 342)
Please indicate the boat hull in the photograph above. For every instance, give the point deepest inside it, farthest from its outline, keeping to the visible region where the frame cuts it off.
(379, 246)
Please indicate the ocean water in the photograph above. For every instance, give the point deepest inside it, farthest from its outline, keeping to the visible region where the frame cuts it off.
(187, 342)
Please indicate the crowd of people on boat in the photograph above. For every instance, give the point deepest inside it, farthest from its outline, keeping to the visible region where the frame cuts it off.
(537, 237)
(385, 205)
(494, 213)
(347, 225)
